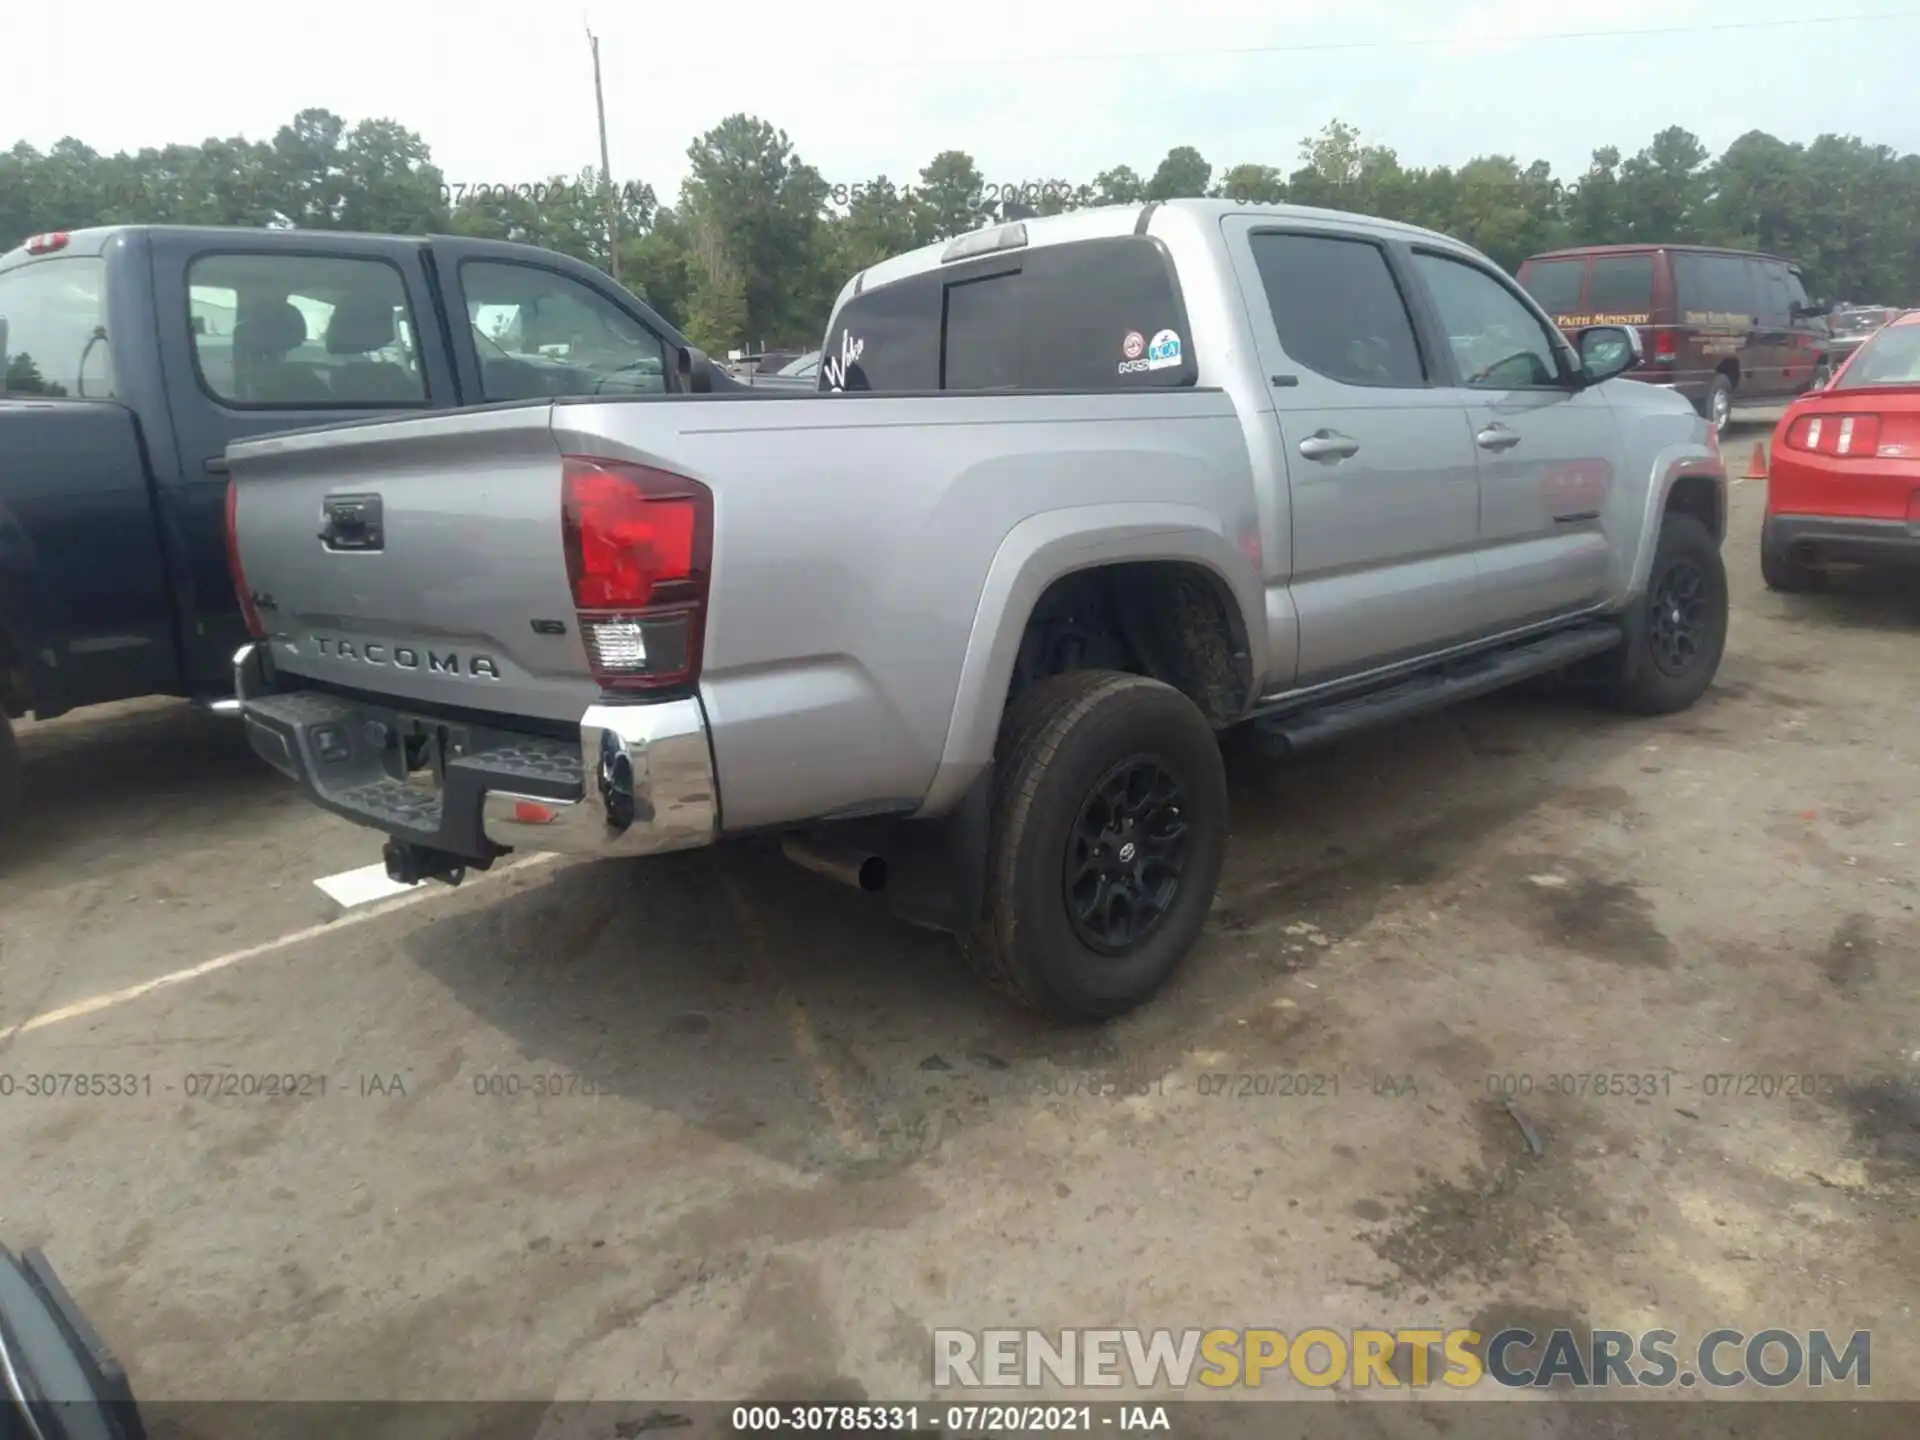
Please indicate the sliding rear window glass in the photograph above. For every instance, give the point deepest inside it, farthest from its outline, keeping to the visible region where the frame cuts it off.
(1093, 315)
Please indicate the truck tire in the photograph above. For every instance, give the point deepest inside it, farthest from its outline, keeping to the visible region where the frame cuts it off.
(1782, 573)
(10, 787)
(1677, 630)
(1108, 829)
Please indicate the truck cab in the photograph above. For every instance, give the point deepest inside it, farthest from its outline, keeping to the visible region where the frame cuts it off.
(132, 356)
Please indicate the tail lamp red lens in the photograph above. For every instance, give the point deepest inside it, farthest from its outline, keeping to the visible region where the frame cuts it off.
(639, 547)
(1841, 435)
(242, 591)
(1666, 345)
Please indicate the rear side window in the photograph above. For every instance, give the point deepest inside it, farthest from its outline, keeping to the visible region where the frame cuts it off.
(55, 313)
(1554, 284)
(1621, 290)
(1092, 315)
(1338, 309)
(1714, 289)
(295, 332)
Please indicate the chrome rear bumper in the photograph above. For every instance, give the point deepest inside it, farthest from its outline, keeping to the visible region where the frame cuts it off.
(638, 780)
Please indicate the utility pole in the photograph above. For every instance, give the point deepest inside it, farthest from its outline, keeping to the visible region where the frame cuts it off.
(606, 170)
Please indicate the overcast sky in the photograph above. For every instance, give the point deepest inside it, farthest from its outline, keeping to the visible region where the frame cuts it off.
(1034, 89)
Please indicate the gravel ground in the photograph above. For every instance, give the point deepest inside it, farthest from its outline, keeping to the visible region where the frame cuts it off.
(791, 1138)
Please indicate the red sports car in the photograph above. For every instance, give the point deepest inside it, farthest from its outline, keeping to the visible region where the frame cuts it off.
(1843, 476)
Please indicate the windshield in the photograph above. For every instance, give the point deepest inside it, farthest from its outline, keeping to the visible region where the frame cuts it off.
(804, 367)
(1892, 357)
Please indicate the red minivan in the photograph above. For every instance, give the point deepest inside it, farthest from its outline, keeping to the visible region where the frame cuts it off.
(1716, 323)
(1843, 480)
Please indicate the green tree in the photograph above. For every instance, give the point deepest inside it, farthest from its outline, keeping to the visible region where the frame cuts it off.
(1184, 173)
(1251, 185)
(1664, 190)
(1118, 186)
(761, 208)
(950, 195)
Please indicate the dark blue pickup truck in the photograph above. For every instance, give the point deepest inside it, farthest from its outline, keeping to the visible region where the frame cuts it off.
(131, 356)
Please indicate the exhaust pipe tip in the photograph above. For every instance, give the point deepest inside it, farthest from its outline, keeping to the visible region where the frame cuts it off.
(860, 869)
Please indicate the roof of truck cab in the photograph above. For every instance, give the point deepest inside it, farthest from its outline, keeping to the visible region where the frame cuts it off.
(1576, 252)
(1103, 221)
(95, 239)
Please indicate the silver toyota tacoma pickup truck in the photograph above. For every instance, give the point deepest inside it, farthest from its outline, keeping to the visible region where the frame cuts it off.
(1077, 493)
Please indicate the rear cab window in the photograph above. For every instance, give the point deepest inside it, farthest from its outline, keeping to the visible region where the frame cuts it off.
(55, 314)
(1102, 314)
(288, 331)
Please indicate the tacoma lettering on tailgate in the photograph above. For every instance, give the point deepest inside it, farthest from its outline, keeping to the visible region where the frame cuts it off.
(406, 657)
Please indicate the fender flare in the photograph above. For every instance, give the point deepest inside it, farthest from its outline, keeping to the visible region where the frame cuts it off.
(1037, 552)
(1672, 465)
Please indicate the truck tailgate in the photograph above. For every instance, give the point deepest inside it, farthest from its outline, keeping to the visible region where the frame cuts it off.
(420, 559)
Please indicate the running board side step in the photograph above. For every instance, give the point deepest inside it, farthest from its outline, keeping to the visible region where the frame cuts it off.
(1464, 679)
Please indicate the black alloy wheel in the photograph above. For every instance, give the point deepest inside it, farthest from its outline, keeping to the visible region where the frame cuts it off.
(1678, 617)
(1125, 855)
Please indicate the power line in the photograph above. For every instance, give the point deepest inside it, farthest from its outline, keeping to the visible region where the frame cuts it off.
(1323, 47)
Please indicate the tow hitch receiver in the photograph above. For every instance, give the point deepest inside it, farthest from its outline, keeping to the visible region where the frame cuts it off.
(409, 864)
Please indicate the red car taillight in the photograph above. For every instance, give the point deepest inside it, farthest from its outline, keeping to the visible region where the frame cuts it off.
(639, 546)
(1853, 435)
(240, 587)
(1665, 346)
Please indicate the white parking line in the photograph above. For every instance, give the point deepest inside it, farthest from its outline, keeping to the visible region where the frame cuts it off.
(362, 886)
(95, 1003)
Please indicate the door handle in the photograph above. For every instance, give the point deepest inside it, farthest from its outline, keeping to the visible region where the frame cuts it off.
(1329, 445)
(1496, 437)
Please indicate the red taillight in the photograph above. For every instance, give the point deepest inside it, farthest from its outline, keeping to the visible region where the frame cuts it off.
(1846, 435)
(1666, 345)
(240, 588)
(48, 243)
(639, 544)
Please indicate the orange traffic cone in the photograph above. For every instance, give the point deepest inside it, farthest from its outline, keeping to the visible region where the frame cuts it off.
(1757, 466)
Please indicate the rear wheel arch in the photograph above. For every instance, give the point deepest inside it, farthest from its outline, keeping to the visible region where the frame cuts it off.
(1178, 550)
(1170, 620)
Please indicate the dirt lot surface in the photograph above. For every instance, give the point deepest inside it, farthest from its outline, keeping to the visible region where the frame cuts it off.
(792, 1138)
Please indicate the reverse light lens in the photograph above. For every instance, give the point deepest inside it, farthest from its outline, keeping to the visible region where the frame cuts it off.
(639, 543)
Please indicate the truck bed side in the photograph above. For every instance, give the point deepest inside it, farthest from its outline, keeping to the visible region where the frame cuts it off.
(864, 547)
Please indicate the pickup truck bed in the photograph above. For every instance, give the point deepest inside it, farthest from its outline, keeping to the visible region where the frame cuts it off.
(131, 356)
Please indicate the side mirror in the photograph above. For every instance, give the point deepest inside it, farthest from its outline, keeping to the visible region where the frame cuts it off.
(696, 370)
(1607, 351)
